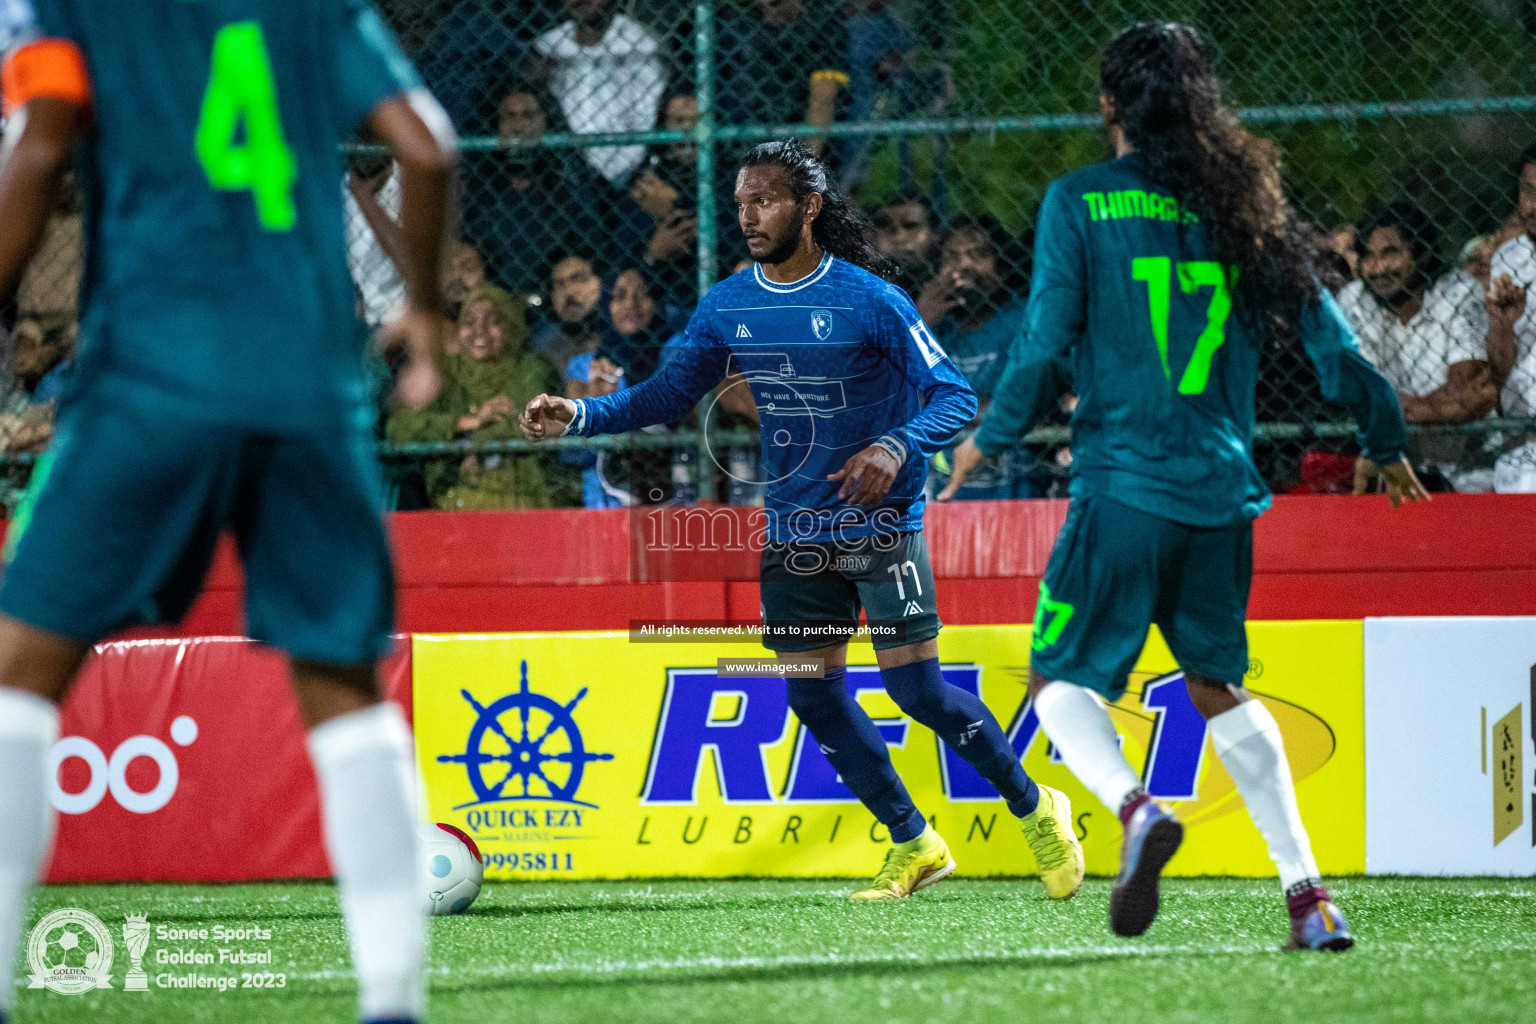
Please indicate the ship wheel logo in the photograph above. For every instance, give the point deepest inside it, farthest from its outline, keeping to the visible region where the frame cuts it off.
(535, 738)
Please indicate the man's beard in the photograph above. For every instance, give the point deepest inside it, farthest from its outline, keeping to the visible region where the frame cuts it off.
(783, 249)
(1396, 299)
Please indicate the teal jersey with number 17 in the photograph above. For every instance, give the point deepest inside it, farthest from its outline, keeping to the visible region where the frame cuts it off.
(216, 279)
(1128, 288)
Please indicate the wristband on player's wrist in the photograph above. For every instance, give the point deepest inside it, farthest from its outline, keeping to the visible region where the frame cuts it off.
(896, 448)
(577, 421)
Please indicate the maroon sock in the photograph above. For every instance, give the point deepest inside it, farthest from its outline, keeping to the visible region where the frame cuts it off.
(1303, 897)
(1132, 805)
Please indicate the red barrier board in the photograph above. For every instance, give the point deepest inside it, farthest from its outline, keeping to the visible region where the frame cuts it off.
(1314, 557)
(185, 761)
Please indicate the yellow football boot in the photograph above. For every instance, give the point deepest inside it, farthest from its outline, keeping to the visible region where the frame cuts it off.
(1048, 830)
(911, 866)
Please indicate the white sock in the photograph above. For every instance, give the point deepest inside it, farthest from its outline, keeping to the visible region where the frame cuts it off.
(29, 726)
(1247, 740)
(365, 763)
(1076, 722)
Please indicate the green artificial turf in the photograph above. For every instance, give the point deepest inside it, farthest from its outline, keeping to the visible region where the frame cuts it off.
(798, 952)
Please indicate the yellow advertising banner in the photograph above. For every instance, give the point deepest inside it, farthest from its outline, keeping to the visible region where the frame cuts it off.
(584, 755)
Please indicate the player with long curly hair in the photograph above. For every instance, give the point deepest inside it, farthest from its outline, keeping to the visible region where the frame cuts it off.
(855, 396)
(1158, 274)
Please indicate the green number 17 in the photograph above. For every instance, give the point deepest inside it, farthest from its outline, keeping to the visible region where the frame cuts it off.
(1157, 272)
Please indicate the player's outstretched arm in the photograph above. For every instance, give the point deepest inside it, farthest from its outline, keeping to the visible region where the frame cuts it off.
(1348, 378)
(38, 143)
(1398, 479)
(1034, 385)
(962, 464)
(546, 416)
(419, 135)
(664, 397)
(1033, 382)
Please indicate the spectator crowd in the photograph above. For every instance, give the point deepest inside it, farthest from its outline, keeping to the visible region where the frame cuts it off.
(577, 266)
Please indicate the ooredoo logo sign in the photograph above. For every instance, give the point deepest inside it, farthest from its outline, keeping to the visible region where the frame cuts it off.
(108, 774)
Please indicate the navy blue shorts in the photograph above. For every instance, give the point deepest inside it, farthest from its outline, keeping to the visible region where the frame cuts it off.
(813, 592)
(125, 509)
(1114, 571)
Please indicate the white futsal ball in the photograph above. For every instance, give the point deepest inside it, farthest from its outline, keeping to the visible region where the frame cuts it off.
(451, 869)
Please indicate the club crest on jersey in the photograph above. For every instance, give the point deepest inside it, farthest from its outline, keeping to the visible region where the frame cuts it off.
(821, 324)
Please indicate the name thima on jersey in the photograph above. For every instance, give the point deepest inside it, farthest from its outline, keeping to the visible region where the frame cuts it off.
(836, 362)
(1126, 285)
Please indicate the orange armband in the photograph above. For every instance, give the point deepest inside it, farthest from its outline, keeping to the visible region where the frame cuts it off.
(45, 69)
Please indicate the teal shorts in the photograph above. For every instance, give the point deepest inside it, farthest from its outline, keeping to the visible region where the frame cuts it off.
(124, 511)
(1114, 571)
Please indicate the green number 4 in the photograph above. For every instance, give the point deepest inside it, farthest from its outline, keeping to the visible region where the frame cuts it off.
(1157, 272)
(241, 90)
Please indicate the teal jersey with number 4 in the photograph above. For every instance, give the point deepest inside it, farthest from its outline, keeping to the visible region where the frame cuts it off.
(1126, 285)
(216, 279)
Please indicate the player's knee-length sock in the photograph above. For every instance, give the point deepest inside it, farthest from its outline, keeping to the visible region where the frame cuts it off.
(29, 725)
(1075, 720)
(967, 725)
(1247, 740)
(853, 745)
(367, 778)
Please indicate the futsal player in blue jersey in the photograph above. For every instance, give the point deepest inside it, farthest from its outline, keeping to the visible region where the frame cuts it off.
(1159, 274)
(219, 384)
(855, 396)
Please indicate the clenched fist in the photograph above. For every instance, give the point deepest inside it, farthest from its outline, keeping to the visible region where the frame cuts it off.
(546, 416)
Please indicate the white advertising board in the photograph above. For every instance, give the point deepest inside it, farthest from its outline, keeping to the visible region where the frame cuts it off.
(1450, 752)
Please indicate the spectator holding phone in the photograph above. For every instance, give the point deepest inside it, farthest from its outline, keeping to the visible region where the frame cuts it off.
(666, 189)
(973, 305)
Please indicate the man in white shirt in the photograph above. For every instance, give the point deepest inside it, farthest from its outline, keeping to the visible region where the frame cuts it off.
(605, 71)
(373, 215)
(1513, 272)
(1427, 336)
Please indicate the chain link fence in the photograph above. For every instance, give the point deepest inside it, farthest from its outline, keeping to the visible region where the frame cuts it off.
(600, 142)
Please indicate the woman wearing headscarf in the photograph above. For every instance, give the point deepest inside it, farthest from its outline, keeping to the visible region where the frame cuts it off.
(491, 378)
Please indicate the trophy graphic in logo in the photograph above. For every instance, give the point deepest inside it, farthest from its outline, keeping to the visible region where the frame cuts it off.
(136, 938)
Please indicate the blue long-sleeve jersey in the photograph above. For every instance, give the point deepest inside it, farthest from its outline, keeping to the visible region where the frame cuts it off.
(836, 361)
(1164, 367)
